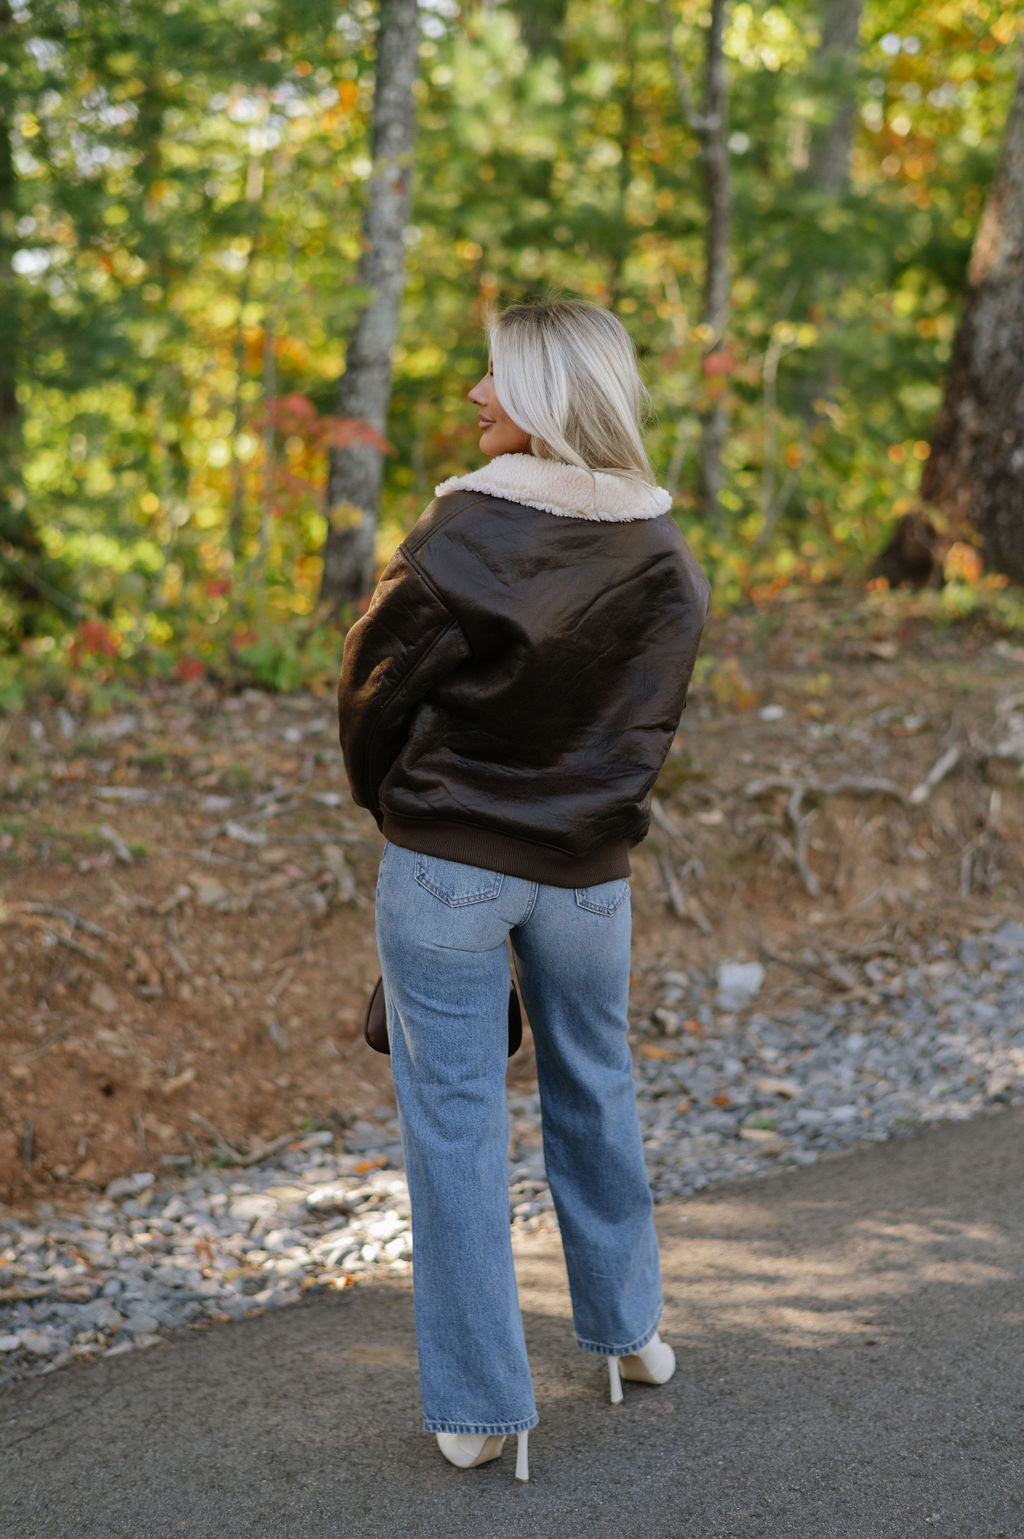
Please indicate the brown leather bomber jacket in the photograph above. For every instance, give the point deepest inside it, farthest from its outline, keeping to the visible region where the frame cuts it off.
(511, 693)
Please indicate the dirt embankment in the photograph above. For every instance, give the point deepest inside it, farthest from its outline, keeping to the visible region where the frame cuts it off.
(186, 921)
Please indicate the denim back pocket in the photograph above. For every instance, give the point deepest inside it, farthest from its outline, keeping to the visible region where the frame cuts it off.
(606, 898)
(456, 884)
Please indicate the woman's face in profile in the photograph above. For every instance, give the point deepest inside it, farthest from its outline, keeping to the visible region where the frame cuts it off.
(499, 435)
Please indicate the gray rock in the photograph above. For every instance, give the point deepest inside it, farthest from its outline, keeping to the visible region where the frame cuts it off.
(248, 1210)
(738, 982)
(37, 1342)
(141, 1323)
(129, 1186)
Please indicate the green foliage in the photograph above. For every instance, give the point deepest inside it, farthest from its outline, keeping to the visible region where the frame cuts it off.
(189, 189)
(288, 659)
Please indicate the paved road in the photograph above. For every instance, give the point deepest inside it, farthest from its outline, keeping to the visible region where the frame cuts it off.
(851, 1365)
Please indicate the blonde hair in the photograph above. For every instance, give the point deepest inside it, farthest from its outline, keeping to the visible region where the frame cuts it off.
(566, 373)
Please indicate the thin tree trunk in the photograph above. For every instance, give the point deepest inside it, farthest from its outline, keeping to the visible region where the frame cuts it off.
(269, 465)
(25, 569)
(715, 164)
(10, 426)
(255, 182)
(827, 175)
(620, 242)
(711, 126)
(355, 473)
(541, 23)
(976, 468)
(835, 66)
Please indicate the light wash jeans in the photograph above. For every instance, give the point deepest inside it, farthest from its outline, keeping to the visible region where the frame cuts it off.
(441, 932)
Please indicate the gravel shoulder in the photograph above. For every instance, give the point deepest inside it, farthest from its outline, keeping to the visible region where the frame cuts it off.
(849, 1348)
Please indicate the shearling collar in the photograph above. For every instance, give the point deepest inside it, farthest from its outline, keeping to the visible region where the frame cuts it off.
(563, 489)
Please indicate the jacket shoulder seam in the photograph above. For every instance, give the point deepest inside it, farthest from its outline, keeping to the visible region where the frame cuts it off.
(475, 499)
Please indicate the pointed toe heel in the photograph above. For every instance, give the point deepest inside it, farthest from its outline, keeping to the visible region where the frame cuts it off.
(467, 1450)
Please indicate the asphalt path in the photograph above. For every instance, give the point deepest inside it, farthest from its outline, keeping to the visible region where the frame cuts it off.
(850, 1354)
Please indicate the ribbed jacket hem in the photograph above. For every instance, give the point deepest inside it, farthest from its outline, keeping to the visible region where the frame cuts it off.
(503, 852)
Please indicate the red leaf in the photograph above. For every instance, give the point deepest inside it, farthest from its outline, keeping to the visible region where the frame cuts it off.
(342, 432)
(188, 669)
(720, 362)
(96, 636)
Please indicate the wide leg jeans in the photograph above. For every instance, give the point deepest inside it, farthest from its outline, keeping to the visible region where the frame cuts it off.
(442, 929)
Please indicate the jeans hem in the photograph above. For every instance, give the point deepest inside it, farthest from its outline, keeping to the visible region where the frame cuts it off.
(482, 1428)
(603, 1350)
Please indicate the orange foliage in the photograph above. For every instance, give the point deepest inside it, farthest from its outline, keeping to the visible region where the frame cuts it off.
(94, 638)
(188, 669)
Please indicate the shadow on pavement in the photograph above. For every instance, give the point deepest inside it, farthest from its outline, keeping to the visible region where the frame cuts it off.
(850, 1365)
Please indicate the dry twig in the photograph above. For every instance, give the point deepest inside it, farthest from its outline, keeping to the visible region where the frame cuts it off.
(866, 785)
(940, 769)
(55, 910)
(800, 826)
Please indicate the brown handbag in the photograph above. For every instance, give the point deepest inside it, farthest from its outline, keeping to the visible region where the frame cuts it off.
(375, 1027)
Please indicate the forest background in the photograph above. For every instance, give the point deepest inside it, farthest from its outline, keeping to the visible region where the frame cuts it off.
(811, 218)
(182, 193)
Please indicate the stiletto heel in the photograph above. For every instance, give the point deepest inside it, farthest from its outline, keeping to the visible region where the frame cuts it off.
(615, 1381)
(522, 1457)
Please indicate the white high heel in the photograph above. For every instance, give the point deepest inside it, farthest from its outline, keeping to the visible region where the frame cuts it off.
(468, 1449)
(653, 1364)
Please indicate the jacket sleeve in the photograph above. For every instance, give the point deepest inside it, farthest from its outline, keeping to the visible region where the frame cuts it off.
(407, 640)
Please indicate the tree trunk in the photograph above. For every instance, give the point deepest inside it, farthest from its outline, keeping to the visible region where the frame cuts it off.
(835, 65)
(9, 425)
(18, 540)
(355, 473)
(711, 127)
(541, 23)
(976, 468)
(827, 176)
(714, 155)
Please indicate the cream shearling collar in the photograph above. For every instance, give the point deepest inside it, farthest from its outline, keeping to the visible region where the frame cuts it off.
(567, 490)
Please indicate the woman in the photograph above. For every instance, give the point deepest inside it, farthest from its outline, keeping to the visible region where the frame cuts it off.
(505, 705)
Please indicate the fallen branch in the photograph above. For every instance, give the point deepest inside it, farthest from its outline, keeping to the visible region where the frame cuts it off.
(938, 772)
(675, 893)
(54, 909)
(800, 827)
(832, 972)
(223, 1147)
(76, 946)
(866, 785)
(280, 986)
(979, 843)
(117, 844)
(661, 817)
(682, 906)
(263, 1151)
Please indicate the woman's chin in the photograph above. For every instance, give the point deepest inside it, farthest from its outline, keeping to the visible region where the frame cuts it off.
(492, 445)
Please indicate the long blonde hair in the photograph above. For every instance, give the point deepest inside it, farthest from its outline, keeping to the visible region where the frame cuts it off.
(566, 373)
